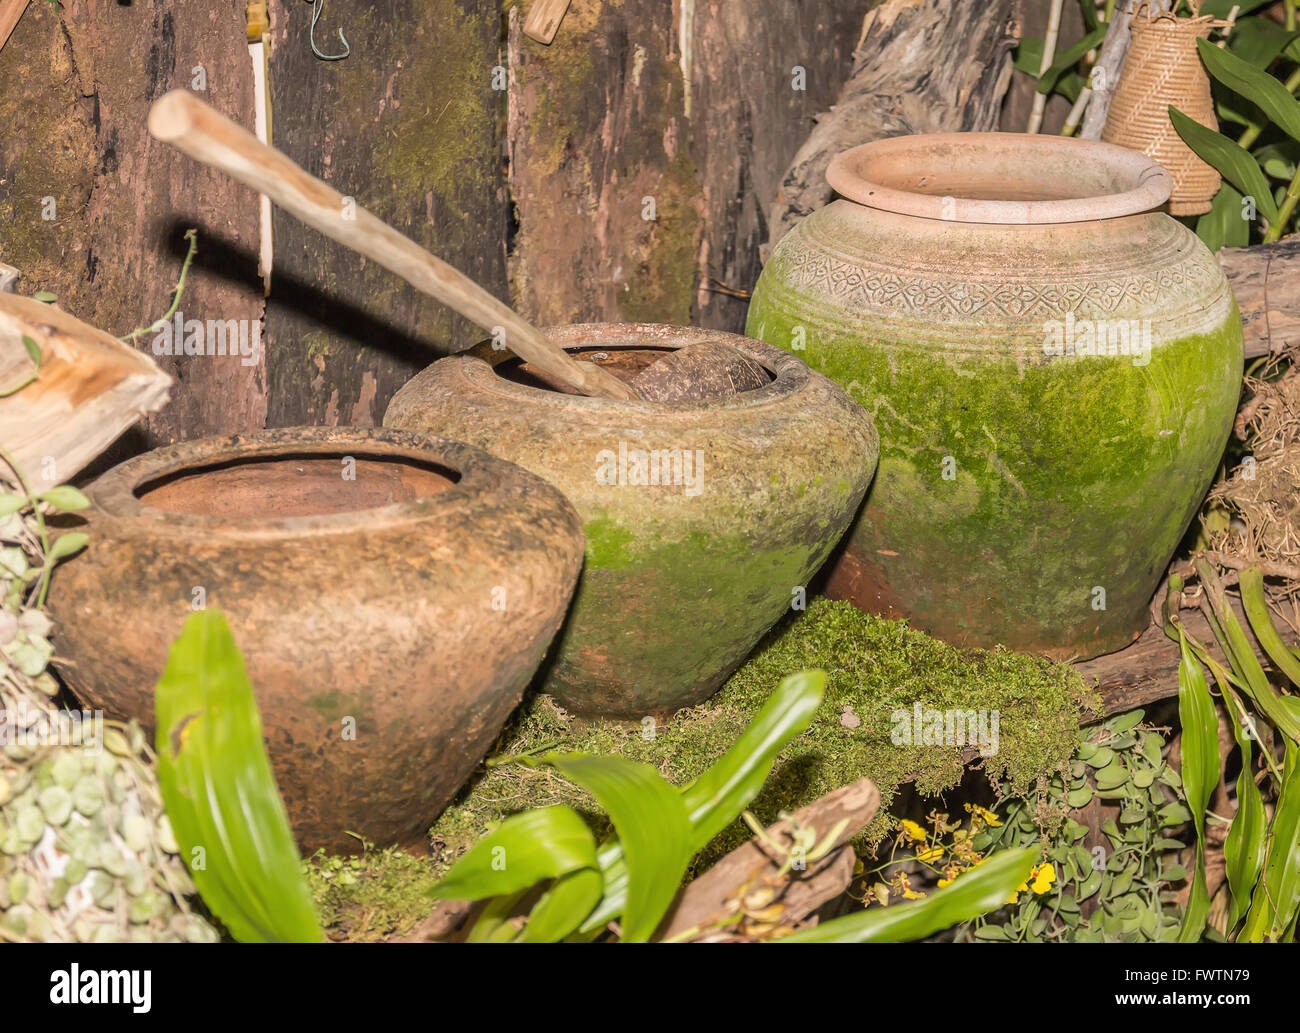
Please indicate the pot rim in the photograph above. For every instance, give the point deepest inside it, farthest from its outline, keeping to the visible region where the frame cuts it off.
(862, 174)
(113, 493)
(789, 373)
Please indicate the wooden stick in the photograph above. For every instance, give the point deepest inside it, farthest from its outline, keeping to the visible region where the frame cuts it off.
(182, 120)
(544, 19)
(10, 12)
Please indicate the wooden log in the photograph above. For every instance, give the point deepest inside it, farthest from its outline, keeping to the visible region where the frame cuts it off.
(755, 870)
(1266, 280)
(894, 89)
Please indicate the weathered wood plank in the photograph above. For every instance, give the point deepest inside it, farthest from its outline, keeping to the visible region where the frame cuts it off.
(1266, 280)
(408, 126)
(94, 210)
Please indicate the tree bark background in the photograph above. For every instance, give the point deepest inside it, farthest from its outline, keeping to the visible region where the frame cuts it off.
(408, 124)
(75, 87)
(646, 142)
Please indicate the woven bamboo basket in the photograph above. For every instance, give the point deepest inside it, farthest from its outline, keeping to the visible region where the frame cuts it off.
(1163, 69)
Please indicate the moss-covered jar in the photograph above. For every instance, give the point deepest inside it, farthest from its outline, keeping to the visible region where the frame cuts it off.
(705, 520)
(1052, 363)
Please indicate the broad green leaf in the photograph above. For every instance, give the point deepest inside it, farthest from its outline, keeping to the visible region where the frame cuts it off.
(220, 793)
(1233, 162)
(33, 351)
(45, 296)
(1223, 225)
(1258, 41)
(1222, 8)
(1278, 160)
(1257, 86)
(526, 848)
(1277, 896)
(65, 497)
(67, 544)
(652, 826)
(716, 798)
(1200, 748)
(1029, 55)
(10, 503)
(1067, 59)
(561, 909)
(978, 891)
(1243, 850)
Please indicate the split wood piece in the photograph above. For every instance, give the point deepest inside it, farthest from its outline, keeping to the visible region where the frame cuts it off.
(544, 19)
(182, 120)
(894, 90)
(10, 12)
(752, 872)
(89, 389)
(1266, 280)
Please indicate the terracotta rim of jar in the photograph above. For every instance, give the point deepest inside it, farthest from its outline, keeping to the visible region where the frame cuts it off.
(114, 493)
(789, 373)
(891, 175)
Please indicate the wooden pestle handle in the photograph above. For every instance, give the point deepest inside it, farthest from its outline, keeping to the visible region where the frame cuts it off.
(188, 124)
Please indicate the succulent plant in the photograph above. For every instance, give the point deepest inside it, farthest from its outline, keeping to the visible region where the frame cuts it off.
(86, 850)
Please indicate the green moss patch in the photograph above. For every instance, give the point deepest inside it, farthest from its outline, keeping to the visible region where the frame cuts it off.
(876, 667)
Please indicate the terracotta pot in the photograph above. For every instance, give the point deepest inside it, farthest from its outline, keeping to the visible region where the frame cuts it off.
(412, 603)
(681, 578)
(1031, 490)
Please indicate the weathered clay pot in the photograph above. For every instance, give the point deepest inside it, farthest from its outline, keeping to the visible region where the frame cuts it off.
(413, 602)
(1032, 487)
(681, 578)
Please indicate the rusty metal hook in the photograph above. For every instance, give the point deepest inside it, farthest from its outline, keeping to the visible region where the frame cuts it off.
(316, 6)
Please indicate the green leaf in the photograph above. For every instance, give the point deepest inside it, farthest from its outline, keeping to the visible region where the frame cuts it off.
(1067, 59)
(714, 800)
(67, 544)
(1251, 581)
(1278, 160)
(653, 829)
(1257, 86)
(65, 497)
(526, 848)
(1200, 749)
(564, 905)
(1222, 8)
(33, 351)
(10, 503)
(219, 791)
(1223, 225)
(45, 296)
(1258, 41)
(978, 891)
(1243, 850)
(1277, 897)
(1278, 709)
(1232, 160)
(1029, 55)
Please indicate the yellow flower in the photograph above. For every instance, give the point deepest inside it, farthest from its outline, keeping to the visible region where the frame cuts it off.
(911, 894)
(930, 853)
(985, 815)
(912, 831)
(1044, 876)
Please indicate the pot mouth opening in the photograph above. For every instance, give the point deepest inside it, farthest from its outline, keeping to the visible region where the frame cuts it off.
(294, 484)
(624, 361)
(1004, 178)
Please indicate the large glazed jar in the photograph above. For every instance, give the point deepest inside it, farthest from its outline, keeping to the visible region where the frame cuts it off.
(392, 595)
(1052, 363)
(705, 520)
